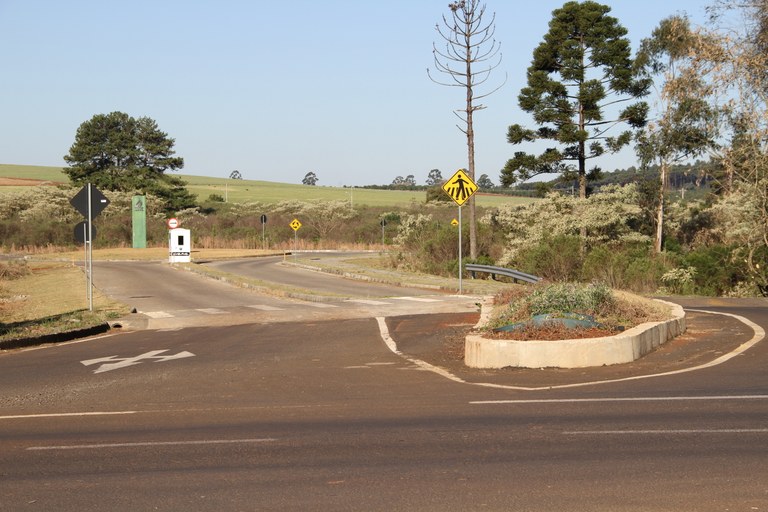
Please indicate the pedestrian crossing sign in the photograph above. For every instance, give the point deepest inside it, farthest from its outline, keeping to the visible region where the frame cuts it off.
(460, 187)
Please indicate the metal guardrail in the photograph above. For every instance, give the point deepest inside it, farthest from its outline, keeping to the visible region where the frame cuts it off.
(472, 268)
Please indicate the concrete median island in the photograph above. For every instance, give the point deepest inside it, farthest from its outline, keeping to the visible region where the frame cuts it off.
(481, 352)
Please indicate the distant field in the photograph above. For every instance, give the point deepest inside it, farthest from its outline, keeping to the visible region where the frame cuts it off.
(33, 172)
(242, 191)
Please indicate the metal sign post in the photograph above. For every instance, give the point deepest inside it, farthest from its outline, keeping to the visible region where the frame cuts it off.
(461, 268)
(89, 243)
(90, 202)
(383, 223)
(295, 225)
(460, 187)
(263, 228)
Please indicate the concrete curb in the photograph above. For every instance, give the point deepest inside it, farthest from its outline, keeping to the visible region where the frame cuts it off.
(480, 352)
(58, 337)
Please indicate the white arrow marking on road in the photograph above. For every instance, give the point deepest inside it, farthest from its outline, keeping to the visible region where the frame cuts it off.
(114, 362)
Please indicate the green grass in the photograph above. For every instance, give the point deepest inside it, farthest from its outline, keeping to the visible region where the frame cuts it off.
(244, 191)
(33, 172)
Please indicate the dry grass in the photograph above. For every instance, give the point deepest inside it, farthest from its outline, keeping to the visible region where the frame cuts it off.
(49, 289)
(50, 298)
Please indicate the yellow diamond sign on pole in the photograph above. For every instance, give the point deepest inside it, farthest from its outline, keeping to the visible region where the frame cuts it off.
(295, 224)
(454, 223)
(460, 187)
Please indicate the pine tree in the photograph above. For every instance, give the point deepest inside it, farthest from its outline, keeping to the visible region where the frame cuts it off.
(580, 71)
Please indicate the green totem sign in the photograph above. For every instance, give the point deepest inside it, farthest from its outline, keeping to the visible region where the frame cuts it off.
(139, 214)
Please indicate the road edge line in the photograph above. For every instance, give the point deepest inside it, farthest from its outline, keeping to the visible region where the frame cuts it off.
(759, 335)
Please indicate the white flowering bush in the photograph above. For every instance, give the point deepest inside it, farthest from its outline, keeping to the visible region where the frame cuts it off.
(412, 229)
(678, 280)
(607, 216)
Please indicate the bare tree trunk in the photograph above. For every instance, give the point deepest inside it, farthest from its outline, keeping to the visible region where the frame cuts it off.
(660, 210)
(582, 176)
(471, 158)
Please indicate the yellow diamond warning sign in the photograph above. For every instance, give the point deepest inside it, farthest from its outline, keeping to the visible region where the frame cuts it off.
(295, 224)
(460, 187)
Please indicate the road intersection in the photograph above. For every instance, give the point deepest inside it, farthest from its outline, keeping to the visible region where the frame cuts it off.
(320, 411)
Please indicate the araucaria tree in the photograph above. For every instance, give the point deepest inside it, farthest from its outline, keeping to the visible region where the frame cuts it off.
(119, 153)
(581, 76)
(469, 43)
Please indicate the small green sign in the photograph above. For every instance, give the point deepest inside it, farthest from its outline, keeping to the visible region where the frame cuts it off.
(139, 216)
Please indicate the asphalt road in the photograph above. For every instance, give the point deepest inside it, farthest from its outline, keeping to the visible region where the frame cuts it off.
(169, 297)
(323, 415)
(272, 269)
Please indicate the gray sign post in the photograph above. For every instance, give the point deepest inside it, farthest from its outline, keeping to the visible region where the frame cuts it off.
(90, 202)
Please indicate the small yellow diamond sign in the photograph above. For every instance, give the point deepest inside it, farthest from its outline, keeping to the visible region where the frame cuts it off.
(454, 223)
(295, 224)
(460, 187)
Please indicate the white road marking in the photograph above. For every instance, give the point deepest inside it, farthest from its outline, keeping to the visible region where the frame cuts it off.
(417, 299)
(320, 305)
(151, 444)
(114, 362)
(625, 399)
(669, 431)
(370, 302)
(266, 308)
(422, 365)
(158, 314)
(758, 336)
(65, 414)
(212, 311)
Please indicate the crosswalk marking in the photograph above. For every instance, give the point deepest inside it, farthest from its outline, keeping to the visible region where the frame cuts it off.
(158, 314)
(211, 311)
(370, 302)
(265, 308)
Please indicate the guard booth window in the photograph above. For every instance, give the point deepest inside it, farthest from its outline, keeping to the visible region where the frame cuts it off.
(181, 240)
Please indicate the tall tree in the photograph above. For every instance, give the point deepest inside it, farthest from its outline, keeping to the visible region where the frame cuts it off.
(469, 43)
(120, 153)
(435, 177)
(685, 125)
(581, 72)
(740, 71)
(485, 182)
(310, 179)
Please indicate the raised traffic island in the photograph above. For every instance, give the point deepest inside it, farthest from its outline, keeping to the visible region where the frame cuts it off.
(625, 347)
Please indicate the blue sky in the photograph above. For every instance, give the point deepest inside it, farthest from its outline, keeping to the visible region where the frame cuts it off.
(273, 89)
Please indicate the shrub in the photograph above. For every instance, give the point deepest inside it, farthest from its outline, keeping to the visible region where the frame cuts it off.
(570, 298)
(13, 269)
(557, 259)
(714, 270)
(628, 267)
(559, 298)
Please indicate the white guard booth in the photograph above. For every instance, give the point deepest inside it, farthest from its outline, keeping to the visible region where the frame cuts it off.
(179, 246)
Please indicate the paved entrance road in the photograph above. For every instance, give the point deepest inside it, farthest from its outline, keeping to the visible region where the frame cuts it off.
(324, 416)
(271, 269)
(167, 297)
